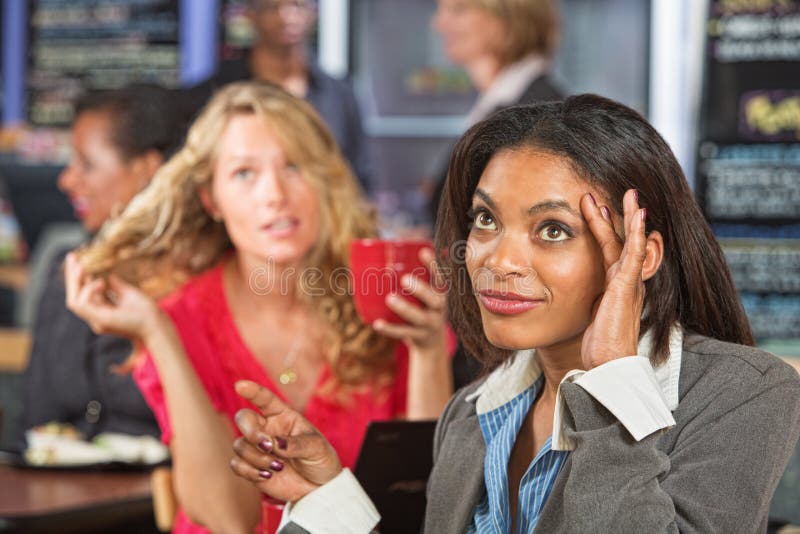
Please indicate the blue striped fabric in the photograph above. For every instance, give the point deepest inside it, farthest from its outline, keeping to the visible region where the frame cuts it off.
(500, 428)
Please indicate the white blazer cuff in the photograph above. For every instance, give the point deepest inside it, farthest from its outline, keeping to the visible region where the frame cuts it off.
(338, 506)
(626, 387)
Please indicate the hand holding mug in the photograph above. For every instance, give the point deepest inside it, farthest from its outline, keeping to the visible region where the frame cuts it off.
(392, 292)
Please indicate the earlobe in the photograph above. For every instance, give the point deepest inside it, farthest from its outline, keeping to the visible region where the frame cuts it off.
(208, 203)
(654, 254)
(145, 166)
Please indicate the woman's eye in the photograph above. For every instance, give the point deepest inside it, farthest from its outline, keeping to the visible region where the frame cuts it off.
(243, 174)
(553, 232)
(484, 221)
(291, 169)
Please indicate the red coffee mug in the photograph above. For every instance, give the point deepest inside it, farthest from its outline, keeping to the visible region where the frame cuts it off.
(271, 513)
(376, 267)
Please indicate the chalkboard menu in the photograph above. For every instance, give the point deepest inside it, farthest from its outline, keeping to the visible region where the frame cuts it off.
(80, 45)
(748, 174)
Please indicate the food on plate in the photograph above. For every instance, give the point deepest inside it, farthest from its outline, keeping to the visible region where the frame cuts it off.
(56, 444)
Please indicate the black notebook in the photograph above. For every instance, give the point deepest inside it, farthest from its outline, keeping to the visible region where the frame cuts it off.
(393, 467)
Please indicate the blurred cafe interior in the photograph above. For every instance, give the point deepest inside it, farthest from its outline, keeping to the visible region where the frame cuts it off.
(718, 79)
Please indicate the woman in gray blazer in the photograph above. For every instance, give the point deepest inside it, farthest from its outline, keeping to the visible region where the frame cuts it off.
(621, 390)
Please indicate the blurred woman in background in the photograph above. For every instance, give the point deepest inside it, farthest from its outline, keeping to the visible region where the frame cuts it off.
(505, 46)
(119, 140)
(252, 220)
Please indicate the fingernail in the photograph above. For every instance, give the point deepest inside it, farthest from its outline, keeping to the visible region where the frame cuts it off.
(591, 197)
(265, 445)
(281, 443)
(378, 324)
(644, 214)
(275, 465)
(265, 474)
(636, 195)
(606, 213)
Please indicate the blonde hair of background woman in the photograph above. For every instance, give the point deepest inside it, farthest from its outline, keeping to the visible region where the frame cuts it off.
(532, 26)
(165, 235)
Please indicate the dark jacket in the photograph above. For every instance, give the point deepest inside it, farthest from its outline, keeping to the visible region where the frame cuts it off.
(69, 377)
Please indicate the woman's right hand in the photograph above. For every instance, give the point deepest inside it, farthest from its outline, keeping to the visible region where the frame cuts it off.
(305, 459)
(109, 306)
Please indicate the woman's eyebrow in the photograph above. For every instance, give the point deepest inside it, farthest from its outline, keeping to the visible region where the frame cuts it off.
(551, 205)
(483, 195)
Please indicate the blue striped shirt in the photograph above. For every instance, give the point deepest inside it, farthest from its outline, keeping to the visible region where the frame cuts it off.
(500, 428)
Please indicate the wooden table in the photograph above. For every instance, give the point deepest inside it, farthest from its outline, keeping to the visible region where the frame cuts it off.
(14, 275)
(15, 344)
(34, 500)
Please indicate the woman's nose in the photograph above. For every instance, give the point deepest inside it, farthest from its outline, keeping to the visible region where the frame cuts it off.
(510, 256)
(271, 189)
(67, 178)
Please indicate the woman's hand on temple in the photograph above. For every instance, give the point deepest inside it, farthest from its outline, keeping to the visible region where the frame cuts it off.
(109, 306)
(425, 327)
(280, 451)
(614, 330)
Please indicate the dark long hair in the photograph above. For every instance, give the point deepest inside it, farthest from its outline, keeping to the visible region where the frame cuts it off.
(614, 149)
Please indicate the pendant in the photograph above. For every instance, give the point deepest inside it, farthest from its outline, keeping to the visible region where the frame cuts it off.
(288, 376)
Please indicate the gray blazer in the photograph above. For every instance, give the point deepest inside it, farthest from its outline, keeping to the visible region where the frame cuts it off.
(738, 421)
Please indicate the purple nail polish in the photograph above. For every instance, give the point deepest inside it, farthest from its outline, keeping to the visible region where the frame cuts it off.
(606, 213)
(644, 214)
(265, 474)
(636, 195)
(265, 445)
(591, 197)
(281, 443)
(275, 465)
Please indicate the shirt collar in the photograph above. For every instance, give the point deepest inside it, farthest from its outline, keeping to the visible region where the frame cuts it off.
(522, 370)
(508, 86)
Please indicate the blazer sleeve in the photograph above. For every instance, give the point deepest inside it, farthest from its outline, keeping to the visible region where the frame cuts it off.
(719, 476)
(40, 404)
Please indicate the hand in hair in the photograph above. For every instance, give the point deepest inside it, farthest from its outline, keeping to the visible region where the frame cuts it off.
(280, 452)
(110, 306)
(614, 330)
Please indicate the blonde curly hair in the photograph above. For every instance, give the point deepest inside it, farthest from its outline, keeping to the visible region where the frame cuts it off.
(165, 235)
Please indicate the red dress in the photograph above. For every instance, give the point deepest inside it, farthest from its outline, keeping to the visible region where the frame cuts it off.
(219, 356)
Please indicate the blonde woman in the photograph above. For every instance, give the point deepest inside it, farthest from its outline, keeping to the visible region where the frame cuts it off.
(253, 217)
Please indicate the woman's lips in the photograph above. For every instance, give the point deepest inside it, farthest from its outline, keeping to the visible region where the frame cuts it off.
(504, 303)
(282, 227)
(80, 206)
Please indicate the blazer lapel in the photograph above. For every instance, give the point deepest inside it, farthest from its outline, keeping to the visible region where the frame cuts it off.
(456, 482)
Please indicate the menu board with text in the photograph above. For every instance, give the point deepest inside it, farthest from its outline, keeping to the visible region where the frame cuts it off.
(748, 174)
(81, 45)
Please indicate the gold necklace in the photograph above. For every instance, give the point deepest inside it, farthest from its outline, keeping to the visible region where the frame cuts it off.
(288, 374)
